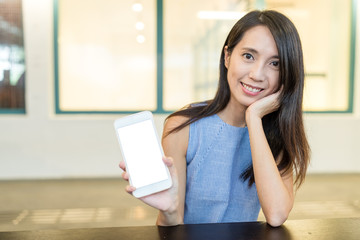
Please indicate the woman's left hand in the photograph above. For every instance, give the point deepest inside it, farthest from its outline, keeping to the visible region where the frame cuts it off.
(265, 105)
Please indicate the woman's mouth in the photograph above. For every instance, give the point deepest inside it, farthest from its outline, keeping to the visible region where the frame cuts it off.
(251, 89)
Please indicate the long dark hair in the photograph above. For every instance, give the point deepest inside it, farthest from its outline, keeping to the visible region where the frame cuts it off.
(283, 128)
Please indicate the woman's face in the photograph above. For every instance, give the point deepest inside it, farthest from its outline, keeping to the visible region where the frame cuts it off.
(253, 67)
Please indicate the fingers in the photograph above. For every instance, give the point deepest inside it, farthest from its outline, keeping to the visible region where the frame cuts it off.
(276, 100)
(281, 88)
(172, 169)
(125, 176)
(122, 165)
(264, 106)
(170, 164)
(129, 189)
(168, 161)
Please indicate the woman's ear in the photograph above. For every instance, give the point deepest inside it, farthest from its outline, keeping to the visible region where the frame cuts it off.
(226, 57)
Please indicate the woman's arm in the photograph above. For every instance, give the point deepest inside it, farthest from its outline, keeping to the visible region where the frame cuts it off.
(175, 145)
(275, 191)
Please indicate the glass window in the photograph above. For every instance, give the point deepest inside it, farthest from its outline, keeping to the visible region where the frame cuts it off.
(106, 53)
(325, 30)
(192, 48)
(132, 55)
(12, 58)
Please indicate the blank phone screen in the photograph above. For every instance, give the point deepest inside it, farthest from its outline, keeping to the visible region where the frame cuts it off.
(142, 154)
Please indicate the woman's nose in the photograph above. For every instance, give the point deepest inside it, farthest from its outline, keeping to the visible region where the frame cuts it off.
(257, 72)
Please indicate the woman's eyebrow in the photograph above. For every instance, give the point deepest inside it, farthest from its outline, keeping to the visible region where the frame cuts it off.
(251, 50)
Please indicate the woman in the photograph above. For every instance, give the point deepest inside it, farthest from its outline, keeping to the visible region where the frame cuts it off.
(238, 152)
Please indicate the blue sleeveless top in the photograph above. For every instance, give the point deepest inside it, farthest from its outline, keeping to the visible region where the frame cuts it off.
(217, 155)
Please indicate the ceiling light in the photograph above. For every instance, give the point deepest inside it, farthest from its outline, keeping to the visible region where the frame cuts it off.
(137, 7)
(139, 25)
(140, 38)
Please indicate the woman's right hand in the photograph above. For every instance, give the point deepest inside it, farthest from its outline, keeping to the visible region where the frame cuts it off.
(165, 201)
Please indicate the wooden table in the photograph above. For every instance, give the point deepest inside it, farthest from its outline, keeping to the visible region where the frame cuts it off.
(348, 229)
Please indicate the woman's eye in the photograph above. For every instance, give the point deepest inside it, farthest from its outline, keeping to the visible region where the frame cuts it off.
(275, 63)
(248, 56)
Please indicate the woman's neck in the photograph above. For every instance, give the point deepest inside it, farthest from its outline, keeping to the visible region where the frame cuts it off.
(233, 115)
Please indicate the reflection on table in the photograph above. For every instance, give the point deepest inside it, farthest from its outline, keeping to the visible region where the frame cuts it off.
(348, 229)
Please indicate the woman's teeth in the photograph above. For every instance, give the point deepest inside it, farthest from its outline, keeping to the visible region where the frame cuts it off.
(251, 89)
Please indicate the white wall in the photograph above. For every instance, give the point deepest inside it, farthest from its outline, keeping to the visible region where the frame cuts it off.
(41, 144)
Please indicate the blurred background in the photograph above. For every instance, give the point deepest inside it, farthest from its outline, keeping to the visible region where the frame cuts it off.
(68, 69)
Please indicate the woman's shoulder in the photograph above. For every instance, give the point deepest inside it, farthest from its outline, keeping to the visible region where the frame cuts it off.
(175, 142)
(179, 122)
(175, 121)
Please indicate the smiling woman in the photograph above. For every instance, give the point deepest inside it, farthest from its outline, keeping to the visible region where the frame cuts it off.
(238, 152)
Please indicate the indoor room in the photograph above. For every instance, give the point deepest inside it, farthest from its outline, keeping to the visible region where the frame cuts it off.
(69, 69)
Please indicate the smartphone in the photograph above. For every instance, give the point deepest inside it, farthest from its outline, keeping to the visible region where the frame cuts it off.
(142, 153)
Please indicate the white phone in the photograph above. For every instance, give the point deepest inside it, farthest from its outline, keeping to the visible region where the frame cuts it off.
(142, 153)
